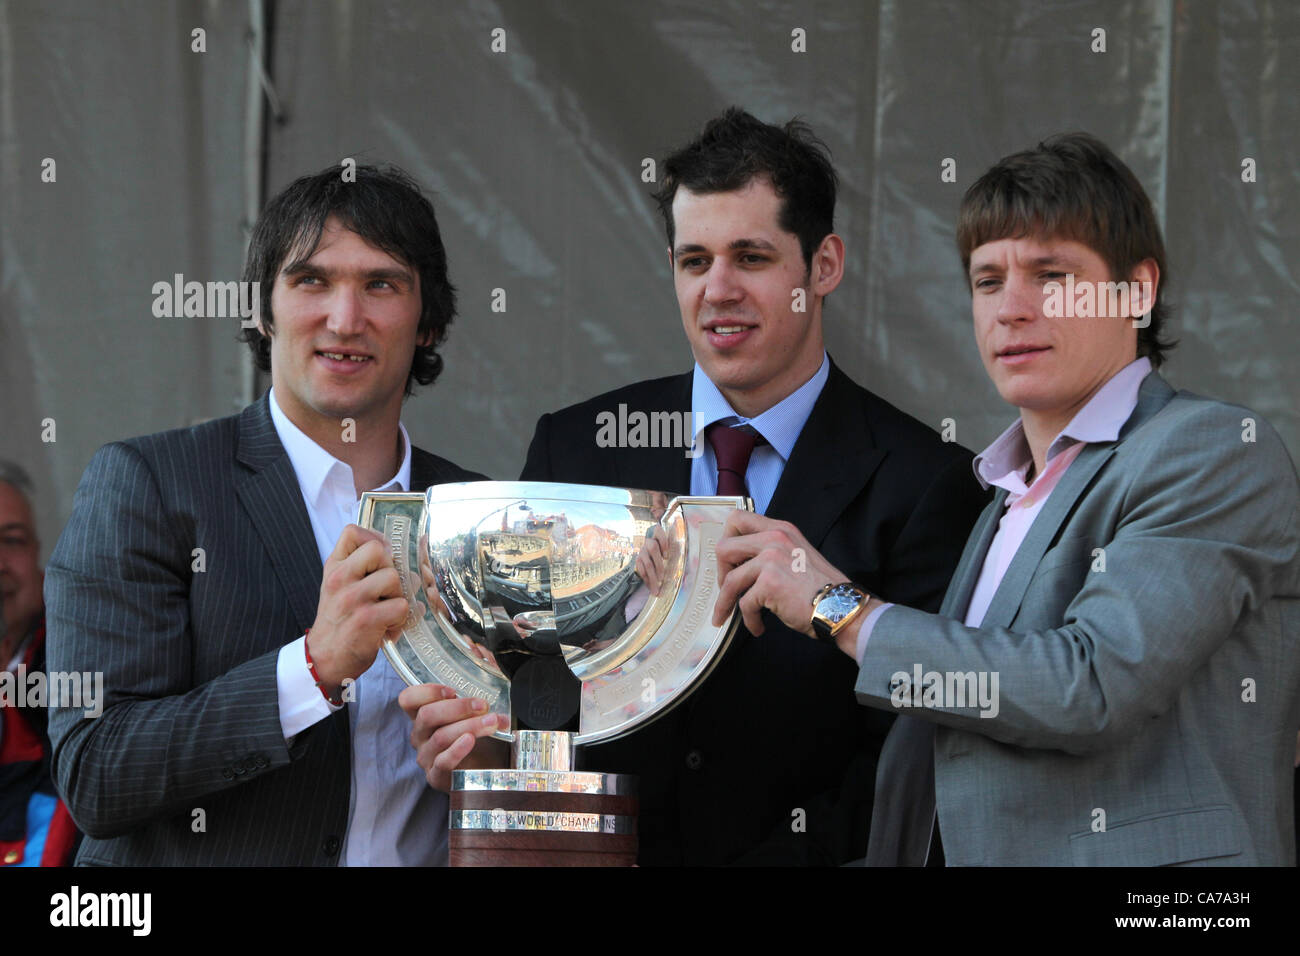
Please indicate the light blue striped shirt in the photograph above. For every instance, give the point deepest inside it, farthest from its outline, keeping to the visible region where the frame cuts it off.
(780, 425)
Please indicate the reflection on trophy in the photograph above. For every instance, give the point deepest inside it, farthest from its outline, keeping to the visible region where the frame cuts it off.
(527, 595)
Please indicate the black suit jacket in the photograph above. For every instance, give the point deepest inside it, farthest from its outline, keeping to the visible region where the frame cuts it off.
(191, 715)
(776, 729)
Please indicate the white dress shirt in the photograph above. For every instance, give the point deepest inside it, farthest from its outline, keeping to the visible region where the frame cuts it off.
(780, 426)
(394, 816)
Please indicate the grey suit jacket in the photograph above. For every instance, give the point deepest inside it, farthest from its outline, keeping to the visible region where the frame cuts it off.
(188, 643)
(1145, 642)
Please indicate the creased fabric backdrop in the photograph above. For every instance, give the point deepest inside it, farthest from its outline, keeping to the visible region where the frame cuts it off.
(535, 158)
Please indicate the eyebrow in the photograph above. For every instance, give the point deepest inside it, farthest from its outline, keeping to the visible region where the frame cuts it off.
(736, 245)
(1038, 262)
(308, 268)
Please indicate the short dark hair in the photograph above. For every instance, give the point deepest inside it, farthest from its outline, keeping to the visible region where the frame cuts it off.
(1071, 186)
(383, 206)
(734, 149)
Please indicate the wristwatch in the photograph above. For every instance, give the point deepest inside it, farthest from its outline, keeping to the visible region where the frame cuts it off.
(834, 606)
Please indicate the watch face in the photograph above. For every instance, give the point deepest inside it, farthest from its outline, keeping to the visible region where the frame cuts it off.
(838, 604)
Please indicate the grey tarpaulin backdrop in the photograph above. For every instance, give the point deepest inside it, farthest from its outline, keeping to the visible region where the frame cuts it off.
(535, 157)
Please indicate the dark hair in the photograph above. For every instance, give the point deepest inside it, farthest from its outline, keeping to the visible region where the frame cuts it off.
(1073, 187)
(384, 207)
(734, 149)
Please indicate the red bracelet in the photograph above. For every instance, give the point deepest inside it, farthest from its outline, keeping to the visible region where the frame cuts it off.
(311, 667)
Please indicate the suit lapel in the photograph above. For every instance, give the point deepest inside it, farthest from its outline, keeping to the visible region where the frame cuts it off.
(1152, 396)
(964, 579)
(270, 494)
(659, 469)
(1061, 502)
(424, 471)
(830, 464)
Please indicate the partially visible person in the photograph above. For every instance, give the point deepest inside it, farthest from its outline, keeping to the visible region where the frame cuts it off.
(35, 826)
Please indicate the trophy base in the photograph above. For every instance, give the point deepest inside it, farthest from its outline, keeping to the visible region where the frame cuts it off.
(542, 818)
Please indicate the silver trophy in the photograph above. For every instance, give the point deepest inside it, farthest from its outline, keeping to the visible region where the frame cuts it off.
(527, 595)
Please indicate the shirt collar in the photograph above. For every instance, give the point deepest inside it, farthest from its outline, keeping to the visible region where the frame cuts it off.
(314, 466)
(1098, 421)
(780, 425)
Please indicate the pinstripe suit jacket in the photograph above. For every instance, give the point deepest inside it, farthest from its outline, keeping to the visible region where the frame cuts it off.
(187, 642)
(1144, 636)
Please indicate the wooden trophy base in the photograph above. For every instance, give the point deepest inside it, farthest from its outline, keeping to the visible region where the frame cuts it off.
(542, 818)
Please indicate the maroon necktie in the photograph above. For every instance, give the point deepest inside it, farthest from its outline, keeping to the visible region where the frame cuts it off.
(732, 448)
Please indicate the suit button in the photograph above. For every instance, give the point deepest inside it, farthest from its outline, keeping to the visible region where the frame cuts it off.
(331, 846)
(228, 773)
(262, 760)
(694, 760)
(239, 769)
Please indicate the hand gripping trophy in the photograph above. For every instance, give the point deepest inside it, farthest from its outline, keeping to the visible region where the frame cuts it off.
(528, 595)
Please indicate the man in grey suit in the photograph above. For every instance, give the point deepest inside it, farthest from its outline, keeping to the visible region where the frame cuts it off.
(1113, 676)
(212, 575)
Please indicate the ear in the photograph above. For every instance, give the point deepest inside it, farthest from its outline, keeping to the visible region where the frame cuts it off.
(827, 266)
(1147, 275)
(259, 319)
(671, 262)
(424, 339)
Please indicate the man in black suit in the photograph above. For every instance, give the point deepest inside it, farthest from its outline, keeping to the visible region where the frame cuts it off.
(768, 761)
(211, 573)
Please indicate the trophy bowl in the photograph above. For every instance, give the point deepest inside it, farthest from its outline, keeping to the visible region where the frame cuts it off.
(527, 595)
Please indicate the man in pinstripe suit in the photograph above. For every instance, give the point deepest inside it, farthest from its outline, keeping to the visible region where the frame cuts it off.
(212, 575)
